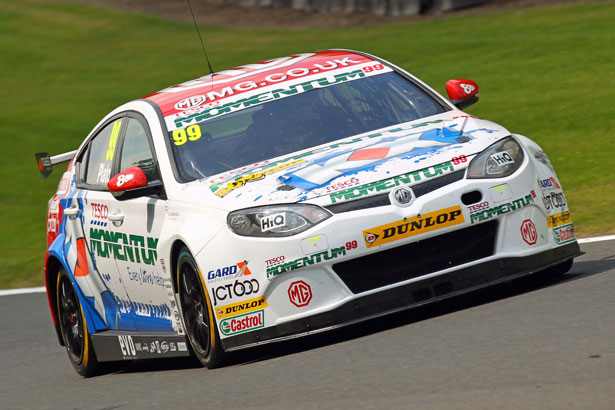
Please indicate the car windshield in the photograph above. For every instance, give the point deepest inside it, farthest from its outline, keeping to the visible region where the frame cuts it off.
(297, 122)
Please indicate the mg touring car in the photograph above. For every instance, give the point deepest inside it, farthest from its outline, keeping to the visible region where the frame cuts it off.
(284, 198)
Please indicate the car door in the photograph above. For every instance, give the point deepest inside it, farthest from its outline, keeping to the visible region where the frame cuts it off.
(140, 221)
(93, 239)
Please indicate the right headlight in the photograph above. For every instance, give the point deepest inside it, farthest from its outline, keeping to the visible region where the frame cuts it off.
(499, 160)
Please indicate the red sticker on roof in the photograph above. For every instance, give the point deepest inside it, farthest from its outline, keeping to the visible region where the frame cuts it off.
(210, 89)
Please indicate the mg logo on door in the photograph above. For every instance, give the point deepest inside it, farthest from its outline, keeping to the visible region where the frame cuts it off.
(528, 232)
(300, 293)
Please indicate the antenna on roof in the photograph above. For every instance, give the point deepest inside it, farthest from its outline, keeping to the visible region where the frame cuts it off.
(211, 70)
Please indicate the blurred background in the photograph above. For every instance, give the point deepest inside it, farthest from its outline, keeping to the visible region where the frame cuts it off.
(546, 69)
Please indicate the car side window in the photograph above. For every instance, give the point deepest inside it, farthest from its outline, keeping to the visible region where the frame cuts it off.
(136, 151)
(99, 156)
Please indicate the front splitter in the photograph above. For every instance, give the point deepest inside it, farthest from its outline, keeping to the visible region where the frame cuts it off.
(408, 296)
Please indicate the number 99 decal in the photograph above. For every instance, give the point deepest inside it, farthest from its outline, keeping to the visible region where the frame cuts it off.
(458, 160)
(351, 245)
(375, 67)
(192, 133)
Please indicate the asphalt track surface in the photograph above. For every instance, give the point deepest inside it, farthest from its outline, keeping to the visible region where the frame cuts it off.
(536, 343)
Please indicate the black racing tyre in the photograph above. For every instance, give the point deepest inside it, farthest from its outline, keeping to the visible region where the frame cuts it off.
(74, 329)
(197, 312)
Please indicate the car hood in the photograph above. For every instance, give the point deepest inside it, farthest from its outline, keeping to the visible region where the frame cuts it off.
(315, 174)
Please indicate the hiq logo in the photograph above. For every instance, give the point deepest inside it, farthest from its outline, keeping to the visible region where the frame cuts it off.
(502, 158)
(240, 268)
(273, 221)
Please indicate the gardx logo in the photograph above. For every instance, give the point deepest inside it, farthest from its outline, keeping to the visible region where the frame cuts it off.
(238, 269)
(413, 226)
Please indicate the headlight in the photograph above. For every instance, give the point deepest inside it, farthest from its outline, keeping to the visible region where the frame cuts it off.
(499, 160)
(276, 220)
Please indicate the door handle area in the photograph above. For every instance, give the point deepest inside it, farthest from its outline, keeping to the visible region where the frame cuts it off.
(71, 211)
(117, 218)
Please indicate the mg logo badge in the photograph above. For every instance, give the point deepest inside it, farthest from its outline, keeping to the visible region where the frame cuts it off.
(300, 293)
(191, 102)
(528, 232)
(402, 196)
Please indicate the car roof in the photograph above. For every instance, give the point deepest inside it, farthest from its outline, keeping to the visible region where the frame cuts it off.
(210, 89)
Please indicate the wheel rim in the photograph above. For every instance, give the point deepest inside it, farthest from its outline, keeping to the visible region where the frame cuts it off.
(194, 308)
(70, 320)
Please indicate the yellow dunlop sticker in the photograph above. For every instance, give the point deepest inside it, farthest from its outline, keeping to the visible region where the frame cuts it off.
(246, 306)
(558, 219)
(253, 177)
(117, 126)
(431, 221)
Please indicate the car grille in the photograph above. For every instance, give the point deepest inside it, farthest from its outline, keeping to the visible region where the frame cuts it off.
(383, 199)
(418, 258)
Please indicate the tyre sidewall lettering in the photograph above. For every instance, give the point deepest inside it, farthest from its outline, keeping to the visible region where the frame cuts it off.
(214, 354)
(83, 355)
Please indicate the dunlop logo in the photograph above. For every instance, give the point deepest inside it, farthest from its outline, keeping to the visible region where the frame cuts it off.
(559, 219)
(241, 307)
(413, 226)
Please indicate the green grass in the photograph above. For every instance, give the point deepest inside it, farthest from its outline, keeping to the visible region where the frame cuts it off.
(547, 72)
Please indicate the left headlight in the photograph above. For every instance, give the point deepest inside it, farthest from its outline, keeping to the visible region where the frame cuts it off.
(499, 160)
(276, 220)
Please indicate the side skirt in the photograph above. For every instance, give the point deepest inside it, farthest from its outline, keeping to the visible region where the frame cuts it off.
(115, 345)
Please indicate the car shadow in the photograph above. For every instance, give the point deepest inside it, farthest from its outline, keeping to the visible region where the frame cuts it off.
(526, 284)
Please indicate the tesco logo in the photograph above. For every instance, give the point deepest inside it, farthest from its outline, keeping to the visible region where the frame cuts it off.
(477, 207)
(275, 261)
(99, 211)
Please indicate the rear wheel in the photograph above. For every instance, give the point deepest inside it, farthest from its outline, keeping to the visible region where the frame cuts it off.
(197, 312)
(74, 328)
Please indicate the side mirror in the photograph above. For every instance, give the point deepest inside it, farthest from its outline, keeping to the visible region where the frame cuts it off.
(132, 183)
(462, 93)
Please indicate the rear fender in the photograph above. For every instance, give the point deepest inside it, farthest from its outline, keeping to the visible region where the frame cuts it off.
(51, 274)
(55, 259)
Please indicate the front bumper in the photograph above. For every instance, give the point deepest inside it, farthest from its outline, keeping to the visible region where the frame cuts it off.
(408, 296)
(368, 260)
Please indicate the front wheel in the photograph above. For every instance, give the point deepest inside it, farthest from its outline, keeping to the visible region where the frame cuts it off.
(74, 328)
(197, 312)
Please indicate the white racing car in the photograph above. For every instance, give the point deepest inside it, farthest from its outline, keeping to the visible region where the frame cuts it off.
(284, 198)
